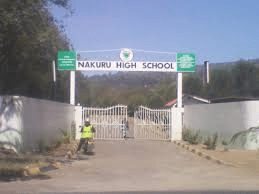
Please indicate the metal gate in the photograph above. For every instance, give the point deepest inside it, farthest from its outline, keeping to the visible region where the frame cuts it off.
(108, 122)
(153, 124)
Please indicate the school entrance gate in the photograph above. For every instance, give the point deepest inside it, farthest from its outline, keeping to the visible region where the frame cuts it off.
(153, 124)
(149, 124)
(109, 123)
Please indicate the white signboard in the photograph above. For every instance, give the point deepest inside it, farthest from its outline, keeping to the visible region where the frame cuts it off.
(126, 66)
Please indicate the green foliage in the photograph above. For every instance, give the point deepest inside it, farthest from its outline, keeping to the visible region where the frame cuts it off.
(128, 89)
(224, 142)
(66, 137)
(245, 78)
(192, 137)
(29, 40)
(192, 84)
(211, 142)
(221, 84)
(208, 141)
(239, 79)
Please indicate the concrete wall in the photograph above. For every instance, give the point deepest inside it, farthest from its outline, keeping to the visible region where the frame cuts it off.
(224, 118)
(25, 122)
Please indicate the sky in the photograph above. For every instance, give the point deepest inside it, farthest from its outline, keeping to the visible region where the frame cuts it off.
(215, 30)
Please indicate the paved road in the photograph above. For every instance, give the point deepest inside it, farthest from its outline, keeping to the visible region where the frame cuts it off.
(139, 166)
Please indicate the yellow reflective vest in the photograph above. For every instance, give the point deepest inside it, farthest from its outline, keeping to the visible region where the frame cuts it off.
(87, 132)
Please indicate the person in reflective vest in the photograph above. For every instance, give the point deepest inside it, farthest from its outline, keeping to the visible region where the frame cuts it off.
(86, 134)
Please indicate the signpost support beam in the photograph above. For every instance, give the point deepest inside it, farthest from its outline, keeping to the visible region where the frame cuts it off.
(179, 90)
(54, 79)
(72, 87)
(177, 112)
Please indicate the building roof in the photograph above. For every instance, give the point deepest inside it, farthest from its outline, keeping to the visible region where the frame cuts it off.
(196, 99)
(187, 97)
(232, 99)
(171, 103)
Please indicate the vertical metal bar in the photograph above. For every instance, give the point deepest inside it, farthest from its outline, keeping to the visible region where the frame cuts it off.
(107, 119)
(113, 116)
(159, 128)
(150, 124)
(115, 123)
(134, 124)
(144, 122)
(157, 124)
(99, 121)
(103, 118)
(141, 122)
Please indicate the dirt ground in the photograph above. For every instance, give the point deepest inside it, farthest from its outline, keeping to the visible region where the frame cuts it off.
(243, 159)
(139, 166)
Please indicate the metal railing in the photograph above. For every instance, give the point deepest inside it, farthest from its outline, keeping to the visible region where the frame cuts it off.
(109, 122)
(154, 124)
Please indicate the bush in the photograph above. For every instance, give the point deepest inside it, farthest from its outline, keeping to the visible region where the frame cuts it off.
(65, 136)
(224, 142)
(211, 142)
(191, 137)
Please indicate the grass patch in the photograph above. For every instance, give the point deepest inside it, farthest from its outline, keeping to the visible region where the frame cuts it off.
(211, 142)
(44, 146)
(224, 142)
(192, 137)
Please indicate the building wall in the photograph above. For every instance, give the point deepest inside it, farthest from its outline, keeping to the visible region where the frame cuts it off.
(224, 118)
(25, 122)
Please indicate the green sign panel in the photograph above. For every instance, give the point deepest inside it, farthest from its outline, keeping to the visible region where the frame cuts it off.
(66, 60)
(185, 62)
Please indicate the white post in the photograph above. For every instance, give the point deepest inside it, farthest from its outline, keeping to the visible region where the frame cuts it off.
(54, 71)
(207, 72)
(176, 112)
(179, 89)
(72, 87)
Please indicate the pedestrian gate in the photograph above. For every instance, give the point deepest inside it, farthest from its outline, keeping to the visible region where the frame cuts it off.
(109, 123)
(153, 124)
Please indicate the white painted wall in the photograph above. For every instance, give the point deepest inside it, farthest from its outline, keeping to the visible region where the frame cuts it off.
(177, 125)
(26, 121)
(224, 118)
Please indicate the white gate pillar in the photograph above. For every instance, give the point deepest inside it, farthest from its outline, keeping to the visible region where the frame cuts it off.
(177, 113)
(78, 120)
(176, 123)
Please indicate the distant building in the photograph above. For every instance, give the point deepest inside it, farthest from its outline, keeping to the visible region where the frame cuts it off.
(191, 99)
(188, 100)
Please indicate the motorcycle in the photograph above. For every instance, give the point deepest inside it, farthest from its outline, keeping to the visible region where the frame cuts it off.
(88, 147)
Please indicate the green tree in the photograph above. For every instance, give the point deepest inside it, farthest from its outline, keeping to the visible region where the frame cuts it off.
(220, 84)
(245, 79)
(29, 39)
(192, 84)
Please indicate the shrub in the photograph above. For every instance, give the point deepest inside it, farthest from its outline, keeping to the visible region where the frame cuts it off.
(208, 141)
(65, 136)
(211, 142)
(186, 134)
(191, 137)
(224, 142)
